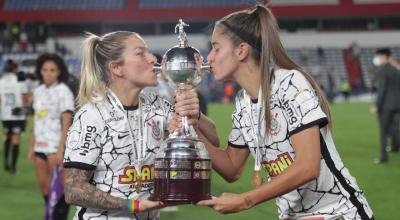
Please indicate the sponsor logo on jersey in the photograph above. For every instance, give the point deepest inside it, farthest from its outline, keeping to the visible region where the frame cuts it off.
(88, 136)
(290, 112)
(41, 144)
(129, 175)
(122, 136)
(41, 114)
(155, 129)
(277, 166)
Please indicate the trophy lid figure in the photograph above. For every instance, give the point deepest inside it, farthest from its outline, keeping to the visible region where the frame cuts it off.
(183, 42)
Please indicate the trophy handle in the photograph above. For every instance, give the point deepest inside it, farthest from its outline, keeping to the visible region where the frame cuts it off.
(203, 70)
(157, 69)
(206, 68)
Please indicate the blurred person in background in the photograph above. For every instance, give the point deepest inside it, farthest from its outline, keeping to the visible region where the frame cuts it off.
(13, 100)
(387, 103)
(32, 83)
(330, 91)
(283, 120)
(53, 105)
(394, 62)
(116, 133)
(229, 91)
(345, 89)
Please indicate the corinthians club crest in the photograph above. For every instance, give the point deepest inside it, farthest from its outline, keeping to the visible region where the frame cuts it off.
(155, 129)
(275, 126)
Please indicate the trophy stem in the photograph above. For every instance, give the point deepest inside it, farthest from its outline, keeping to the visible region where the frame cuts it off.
(185, 126)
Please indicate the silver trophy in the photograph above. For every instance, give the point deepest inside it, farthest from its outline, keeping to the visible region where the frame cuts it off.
(182, 170)
(183, 67)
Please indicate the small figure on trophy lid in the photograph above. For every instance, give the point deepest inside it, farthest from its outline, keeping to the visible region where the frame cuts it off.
(183, 42)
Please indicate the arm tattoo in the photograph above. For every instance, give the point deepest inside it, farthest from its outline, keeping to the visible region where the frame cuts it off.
(78, 191)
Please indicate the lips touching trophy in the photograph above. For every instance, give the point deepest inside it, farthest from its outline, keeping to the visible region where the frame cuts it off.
(182, 168)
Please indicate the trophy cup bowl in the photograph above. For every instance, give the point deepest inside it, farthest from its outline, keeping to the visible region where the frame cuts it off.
(183, 66)
(182, 168)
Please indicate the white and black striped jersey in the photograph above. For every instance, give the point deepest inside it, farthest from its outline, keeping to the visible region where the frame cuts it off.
(294, 107)
(100, 139)
(11, 91)
(49, 103)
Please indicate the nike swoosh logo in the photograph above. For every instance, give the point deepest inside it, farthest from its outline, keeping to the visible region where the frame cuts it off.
(122, 136)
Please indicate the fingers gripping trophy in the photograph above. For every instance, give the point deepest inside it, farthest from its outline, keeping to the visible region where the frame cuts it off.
(182, 170)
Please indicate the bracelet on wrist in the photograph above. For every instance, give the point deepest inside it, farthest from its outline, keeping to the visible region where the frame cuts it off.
(133, 206)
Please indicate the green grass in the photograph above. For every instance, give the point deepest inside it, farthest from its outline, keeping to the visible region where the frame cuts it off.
(355, 135)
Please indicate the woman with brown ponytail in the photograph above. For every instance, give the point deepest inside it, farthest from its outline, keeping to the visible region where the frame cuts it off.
(283, 120)
(115, 135)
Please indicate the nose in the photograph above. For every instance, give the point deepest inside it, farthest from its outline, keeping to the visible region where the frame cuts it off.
(210, 57)
(152, 59)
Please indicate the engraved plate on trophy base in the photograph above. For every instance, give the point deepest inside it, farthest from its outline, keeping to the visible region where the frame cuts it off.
(181, 181)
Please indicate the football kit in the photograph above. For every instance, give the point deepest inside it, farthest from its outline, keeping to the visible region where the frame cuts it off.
(49, 103)
(109, 138)
(294, 107)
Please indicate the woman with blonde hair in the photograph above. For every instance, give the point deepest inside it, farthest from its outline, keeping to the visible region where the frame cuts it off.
(111, 146)
(283, 120)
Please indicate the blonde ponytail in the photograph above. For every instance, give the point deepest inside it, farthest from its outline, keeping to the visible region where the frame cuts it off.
(91, 84)
(97, 53)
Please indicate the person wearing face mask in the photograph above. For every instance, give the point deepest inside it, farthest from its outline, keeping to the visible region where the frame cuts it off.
(387, 102)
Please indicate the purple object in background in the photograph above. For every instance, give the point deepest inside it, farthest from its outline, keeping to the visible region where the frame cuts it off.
(55, 193)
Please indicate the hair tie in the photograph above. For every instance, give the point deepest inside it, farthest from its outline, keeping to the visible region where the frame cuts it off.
(96, 42)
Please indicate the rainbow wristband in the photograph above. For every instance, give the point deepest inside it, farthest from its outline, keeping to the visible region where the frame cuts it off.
(129, 206)
(136, 206)
(133, 206)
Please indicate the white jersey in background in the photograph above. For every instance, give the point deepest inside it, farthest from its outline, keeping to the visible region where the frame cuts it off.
(295, 107)
(11, 91)
(48, 104)
(100, 139)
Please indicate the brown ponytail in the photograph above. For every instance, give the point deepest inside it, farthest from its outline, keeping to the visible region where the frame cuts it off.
(260, 24)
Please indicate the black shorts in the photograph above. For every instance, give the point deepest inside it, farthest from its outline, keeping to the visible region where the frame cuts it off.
(42, 156)
(14, 127)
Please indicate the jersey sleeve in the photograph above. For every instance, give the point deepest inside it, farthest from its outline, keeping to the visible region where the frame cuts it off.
(300, 103)
(36, 93)
(83, 144)
(67, 99)
(236, 138)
